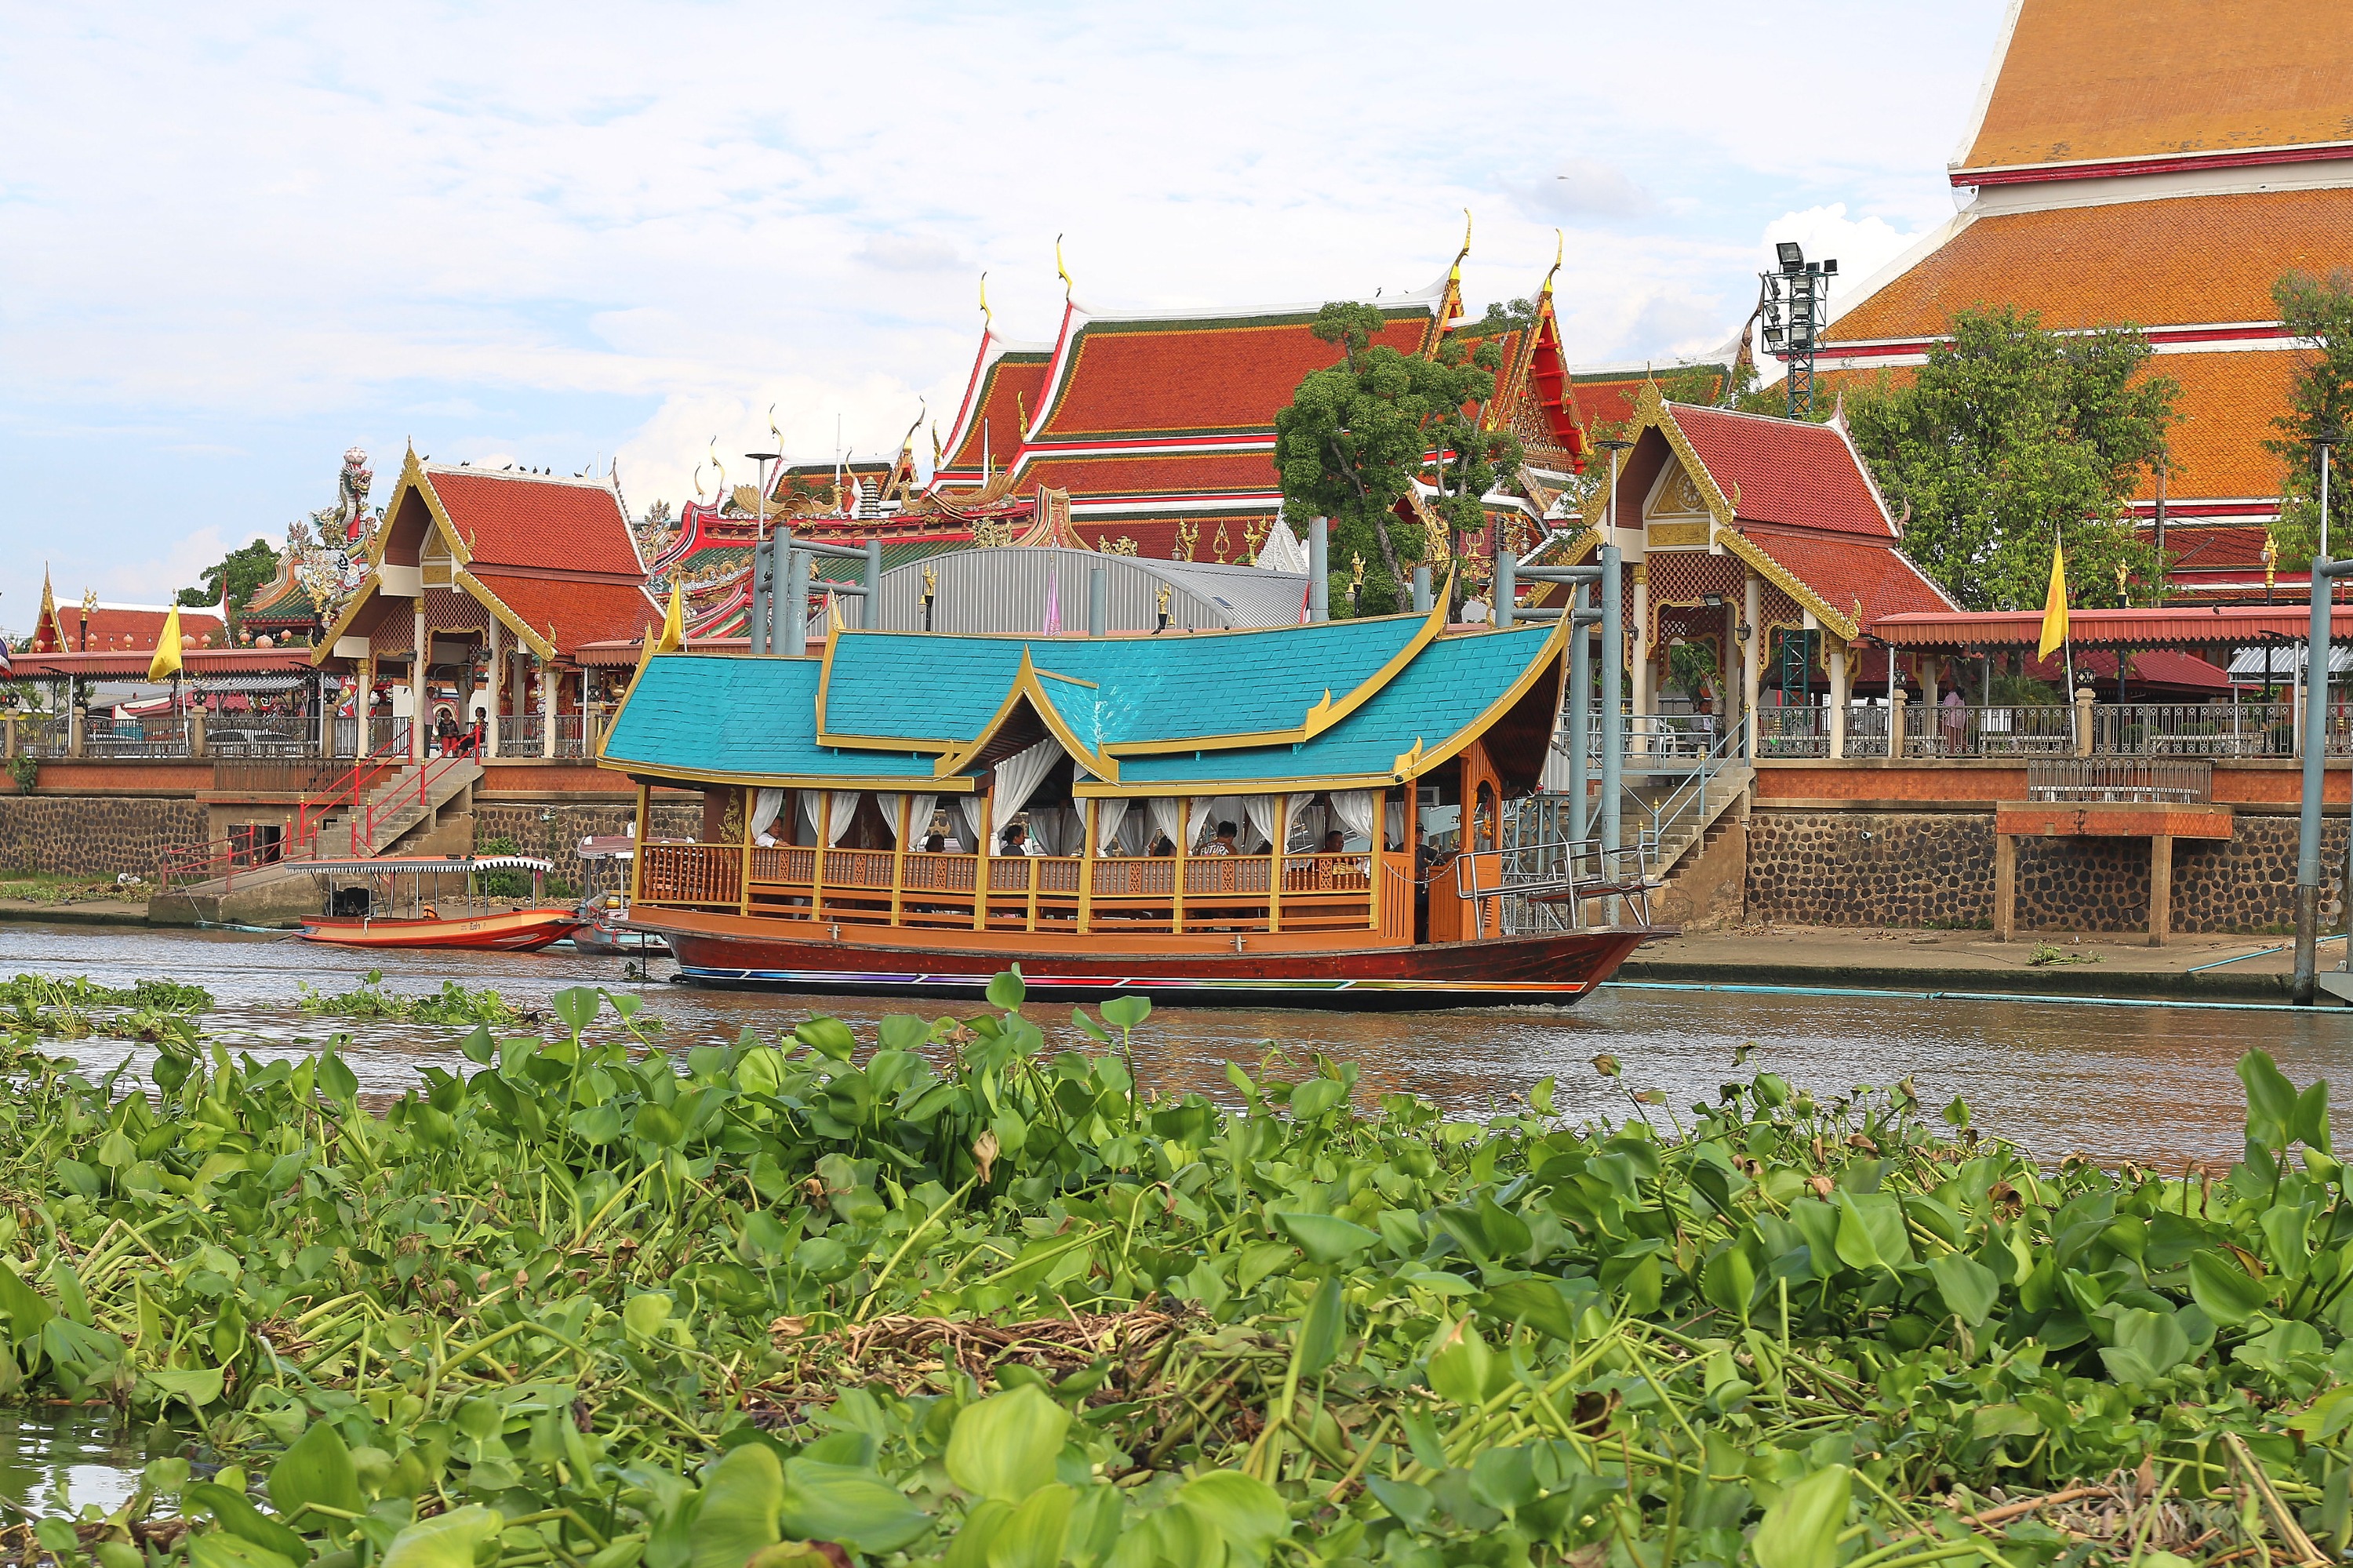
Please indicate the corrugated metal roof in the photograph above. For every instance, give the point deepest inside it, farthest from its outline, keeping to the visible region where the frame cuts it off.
(2156, 627)
(737, 717)
(1006, 589)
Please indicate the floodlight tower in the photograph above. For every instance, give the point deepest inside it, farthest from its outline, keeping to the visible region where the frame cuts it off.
(1794, 300)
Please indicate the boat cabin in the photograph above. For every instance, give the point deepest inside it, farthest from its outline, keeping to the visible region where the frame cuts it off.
(1208, 791)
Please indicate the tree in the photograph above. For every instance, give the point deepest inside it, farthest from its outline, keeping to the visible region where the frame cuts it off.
(1357, 434)
(2010, 435)
(2318, 312)
(243, 570)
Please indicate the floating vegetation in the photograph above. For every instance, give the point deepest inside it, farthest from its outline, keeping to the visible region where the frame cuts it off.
(80, 991)
(453, 1003)
(946, 1296)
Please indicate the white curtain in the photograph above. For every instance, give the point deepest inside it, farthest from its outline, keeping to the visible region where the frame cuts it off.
(1355, 809)
(1308, 815)
(1056, 829)
(1110, 819)
(1167, 812)
(765, 805)
(1395, 825)
(841, 806)
(812, 805)
(919, 819)
(975, 831)
(1265, 814)
(887, 804)
(1017, 778)
(1201, 819)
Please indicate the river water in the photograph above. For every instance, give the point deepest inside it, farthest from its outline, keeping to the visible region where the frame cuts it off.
(2151, 1082)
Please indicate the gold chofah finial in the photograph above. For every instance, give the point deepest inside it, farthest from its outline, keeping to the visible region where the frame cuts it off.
(1061, 271)
(698, 480)
(719, 466)
(1455, 272)
(1559, 249)
(988, 322)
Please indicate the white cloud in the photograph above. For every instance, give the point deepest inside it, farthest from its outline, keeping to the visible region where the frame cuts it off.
(1860, 246)
(542, 232)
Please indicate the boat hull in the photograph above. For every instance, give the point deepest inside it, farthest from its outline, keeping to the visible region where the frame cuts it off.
(517, 931)
(1554, 969)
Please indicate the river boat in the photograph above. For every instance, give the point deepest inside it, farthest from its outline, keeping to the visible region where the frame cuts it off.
(604, 931)
(364, 907)
(1329, 814)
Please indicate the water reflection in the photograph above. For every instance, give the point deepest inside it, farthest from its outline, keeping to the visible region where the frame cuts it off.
(52, 1464)
(2153, 1083)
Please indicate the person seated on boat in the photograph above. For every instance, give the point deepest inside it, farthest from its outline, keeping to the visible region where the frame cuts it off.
(1016, 840)
(1334, 842)
(1161, 848)
(935, 844)
(1221, 842)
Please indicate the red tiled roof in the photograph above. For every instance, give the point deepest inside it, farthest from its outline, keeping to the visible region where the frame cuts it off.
(2184, 261)
(2150, 667)
(2209, 547)
(1215, 474)
(1787, 472)
(114, 626)
(1844, 572)
(195, 663)
(1008, 388)
(536, 520)
(577, 611)
(1172, 376)
(2091, 79)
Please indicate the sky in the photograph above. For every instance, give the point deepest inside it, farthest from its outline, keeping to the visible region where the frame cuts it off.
(235, 239)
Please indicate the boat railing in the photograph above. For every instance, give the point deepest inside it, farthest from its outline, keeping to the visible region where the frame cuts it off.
(1024, 893)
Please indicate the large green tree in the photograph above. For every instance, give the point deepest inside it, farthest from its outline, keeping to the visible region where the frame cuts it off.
(2319, 311)
(243, 570)
(2010, 434)
(1358, 434)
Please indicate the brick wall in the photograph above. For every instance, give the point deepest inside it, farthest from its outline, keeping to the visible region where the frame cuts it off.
(552, 829)
(95, 836)
(1835, 867)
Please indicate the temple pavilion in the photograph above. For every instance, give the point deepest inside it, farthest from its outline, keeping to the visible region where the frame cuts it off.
(2158, 165)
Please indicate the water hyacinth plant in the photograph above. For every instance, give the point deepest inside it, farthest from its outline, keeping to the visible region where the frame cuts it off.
(947, 1296)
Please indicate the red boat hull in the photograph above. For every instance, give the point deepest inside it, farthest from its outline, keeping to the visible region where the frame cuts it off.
(518, 931)
(1555, 968)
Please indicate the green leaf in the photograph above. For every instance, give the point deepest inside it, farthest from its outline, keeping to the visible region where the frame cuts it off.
(1465, 1370)
(1729, 1282)
(1243, 1509)
(1871, 1231)
(1088, 1026)
(447, 1541)
(576, 1006)
(219, 1549)
(740, 1504)
(645, 1313)
(1541, 1303)
(1006, 990)
(1004, 1447)
(1802, 1529)
(827, 1037)
(1968, 1287)
(316, 1469)
(2223, 1290)
(1032, 1538)
(1311, 1099)
(2271, 1100)
(2309, 1125)
(1320, 1327)
(658, 1126)
(336, 1077)
(846, 1504)
(1406, 1502)
(1325, 1238)
(26, 1309)
(240, 1518)
(1127, 1011)
(1540, 1095)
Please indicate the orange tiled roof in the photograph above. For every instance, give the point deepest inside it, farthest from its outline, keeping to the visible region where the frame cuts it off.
(1008, 388)
(1845, 571)
(2087, 79)
(1786, 471)
(528, 520)
(577, 611)
(1172, 376)
(1103, 478)
(2185, 261)
(114, 626)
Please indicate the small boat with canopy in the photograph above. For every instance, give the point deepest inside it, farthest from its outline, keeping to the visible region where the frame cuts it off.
(433, 901)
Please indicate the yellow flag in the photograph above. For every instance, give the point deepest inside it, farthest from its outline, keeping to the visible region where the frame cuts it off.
(167, 662)
(672, 636)
(2054, 606)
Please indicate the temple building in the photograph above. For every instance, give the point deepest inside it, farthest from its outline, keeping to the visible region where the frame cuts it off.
(497, 578)
(93, 625)
(2160, 165)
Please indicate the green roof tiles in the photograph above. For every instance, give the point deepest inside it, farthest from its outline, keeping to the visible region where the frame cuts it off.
(738, 716)
(1201, 686)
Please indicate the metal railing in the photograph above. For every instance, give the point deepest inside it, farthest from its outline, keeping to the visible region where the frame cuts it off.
(166, 737)
(41, 735)
(1866, 730)
(572, 735)
(277, 735)
(521, 734)
(2125, 778)
(1958, 729)
(2204, 729)
(1793, 732)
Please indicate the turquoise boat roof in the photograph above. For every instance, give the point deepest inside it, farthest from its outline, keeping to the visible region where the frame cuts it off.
(1445, 691)
(738, 716)
(1112, 692)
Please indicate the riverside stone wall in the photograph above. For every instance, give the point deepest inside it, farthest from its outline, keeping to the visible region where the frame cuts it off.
(553, 831)
(95, 836)
(1936, 869)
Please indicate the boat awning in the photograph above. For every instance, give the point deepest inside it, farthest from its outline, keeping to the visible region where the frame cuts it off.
(2281, 663)
(436, 863)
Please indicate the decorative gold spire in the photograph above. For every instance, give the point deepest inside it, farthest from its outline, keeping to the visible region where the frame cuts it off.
(1559, 249)
(988, 322)
(1454, 273)
(1061, 271)
(719, 466)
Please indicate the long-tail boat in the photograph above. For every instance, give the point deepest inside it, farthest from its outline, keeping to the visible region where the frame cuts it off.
(1226, 816)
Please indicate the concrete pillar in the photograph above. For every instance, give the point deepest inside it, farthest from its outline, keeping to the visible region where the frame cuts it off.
(328, 690)
(2160, 888)
(497, 683)
(420, 710)
(2082, 720)
(1838, 663)
(10, 723)
(2005, 885)
(547, 679)
(1639, 644)
(195, 732)
(1928, 692)
(1752, 653)
(1895, 706)
(75, 728)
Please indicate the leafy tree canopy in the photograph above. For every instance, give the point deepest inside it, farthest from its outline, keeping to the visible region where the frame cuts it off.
(1356, 435)
(245, 570)
(2320, 312)
(2011, 433)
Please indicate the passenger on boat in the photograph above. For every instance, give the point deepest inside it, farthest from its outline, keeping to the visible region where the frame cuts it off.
(935, 844)
(1017, 840)
(1223, 842)
(1161, 847)
(1334, 842)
